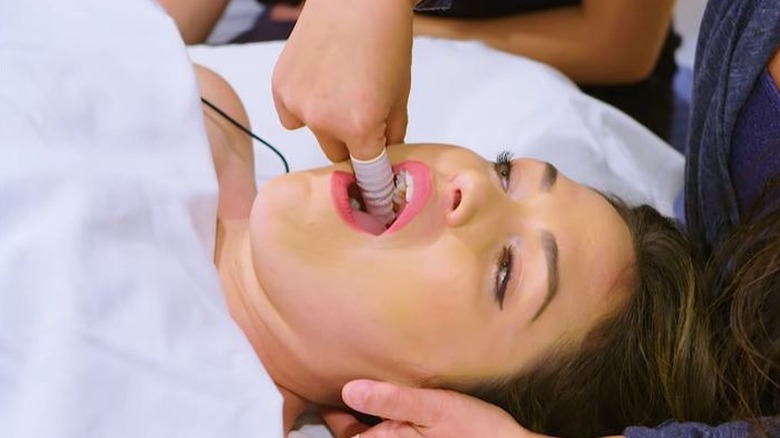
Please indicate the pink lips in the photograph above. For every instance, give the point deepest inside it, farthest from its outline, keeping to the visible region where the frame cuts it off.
(421, 191)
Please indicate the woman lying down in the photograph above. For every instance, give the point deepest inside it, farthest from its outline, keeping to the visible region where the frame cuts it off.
(502, 279)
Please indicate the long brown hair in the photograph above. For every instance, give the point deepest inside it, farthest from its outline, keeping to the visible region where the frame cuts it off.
(743, 274)
(646, 363)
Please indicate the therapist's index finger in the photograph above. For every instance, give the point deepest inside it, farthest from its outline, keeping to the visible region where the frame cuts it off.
(367, 150)
(413, 405)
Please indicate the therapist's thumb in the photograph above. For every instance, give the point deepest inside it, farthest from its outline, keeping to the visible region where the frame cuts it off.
(386, 400)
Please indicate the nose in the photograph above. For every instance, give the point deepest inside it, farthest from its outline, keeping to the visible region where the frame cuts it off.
(477, 203)
(470, 195)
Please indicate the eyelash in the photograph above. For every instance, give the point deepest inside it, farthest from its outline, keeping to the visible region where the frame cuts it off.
(503, 274)
(503, 167)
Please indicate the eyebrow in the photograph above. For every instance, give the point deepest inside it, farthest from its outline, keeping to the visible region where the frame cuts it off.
(549, 177)
(549, 244)
(550, 247)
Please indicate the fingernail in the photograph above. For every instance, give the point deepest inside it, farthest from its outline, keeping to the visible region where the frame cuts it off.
(355, 394)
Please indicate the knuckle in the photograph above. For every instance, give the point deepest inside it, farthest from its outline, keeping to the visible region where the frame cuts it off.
(318, 116)
(354, 125)
(364, 125)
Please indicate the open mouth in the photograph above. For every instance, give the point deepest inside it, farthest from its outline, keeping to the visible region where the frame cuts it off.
(402, 195)
(412, 188)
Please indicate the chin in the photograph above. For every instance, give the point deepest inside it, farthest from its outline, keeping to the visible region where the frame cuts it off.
(284, 206)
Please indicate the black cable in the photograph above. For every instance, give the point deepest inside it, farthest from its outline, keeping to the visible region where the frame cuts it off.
(243, 129)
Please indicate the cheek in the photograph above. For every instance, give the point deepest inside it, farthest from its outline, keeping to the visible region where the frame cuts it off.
(434, 309)
(296, 234)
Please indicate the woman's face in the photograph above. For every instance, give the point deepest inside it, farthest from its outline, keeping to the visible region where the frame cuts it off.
(486, 269)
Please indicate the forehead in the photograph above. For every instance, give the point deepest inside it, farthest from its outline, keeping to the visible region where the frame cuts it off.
(596, 251)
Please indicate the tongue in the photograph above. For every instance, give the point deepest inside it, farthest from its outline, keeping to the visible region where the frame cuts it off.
(368, 223)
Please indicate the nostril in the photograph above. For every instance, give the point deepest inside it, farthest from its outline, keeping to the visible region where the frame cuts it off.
(456, 200)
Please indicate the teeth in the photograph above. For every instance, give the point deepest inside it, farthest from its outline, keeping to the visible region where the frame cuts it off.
(401, 179)
(354, 204)
(402, 194)
(398, 197)
(409, 188)
(400, 188)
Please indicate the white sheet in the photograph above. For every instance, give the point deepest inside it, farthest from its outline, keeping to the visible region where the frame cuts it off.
(112, 323)
(466, 94)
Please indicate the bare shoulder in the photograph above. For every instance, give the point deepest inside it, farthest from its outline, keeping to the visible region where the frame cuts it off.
(231, 149)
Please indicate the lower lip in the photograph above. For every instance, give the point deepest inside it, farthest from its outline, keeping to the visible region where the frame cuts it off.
(421, 192)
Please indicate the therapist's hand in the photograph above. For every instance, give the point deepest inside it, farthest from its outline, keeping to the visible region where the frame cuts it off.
(418, 413)
(345, 73)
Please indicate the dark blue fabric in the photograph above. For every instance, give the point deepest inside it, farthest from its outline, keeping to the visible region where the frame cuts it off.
(755, 150)
(736, 40)
(671, 429)
(689, 430)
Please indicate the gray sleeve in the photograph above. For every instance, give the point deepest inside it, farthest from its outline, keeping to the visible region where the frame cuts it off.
(433, 5)
(672, 429)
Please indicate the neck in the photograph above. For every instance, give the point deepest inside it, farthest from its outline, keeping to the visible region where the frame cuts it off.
(281, 352)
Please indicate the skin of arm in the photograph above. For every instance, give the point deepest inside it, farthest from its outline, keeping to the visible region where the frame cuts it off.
(194, 18)
(599, 42)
